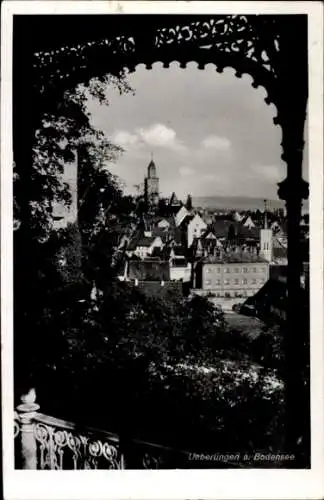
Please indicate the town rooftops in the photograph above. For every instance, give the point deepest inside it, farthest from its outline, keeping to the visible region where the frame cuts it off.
(221, 227)
(234, 257)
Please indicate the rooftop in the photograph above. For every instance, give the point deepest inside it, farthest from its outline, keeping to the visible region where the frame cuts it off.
(232, 257)
(182, 262)
(221, 227)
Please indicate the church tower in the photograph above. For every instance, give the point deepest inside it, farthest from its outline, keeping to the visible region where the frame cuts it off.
(152, 185)
(266, 238)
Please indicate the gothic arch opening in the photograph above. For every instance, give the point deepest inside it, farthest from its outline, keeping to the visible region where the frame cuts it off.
(210, 107)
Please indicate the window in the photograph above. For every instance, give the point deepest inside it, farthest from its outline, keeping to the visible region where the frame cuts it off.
(208, 270)
(255, 270)
(207, 282)
(218, 270)
(237, 270)
(227, 270)
(236, 281)
(245, 269)
(254, 282)
(226, 282)
(244, 281)
(217, 282)
(262, 280)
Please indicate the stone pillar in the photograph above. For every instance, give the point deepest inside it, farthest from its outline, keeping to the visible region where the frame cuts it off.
(28, 446)
(296, 337)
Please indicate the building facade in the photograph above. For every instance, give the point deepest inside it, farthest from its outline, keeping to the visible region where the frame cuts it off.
(195, 229)
(231, 279)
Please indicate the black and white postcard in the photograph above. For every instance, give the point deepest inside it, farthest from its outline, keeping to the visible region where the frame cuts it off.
(162, 249)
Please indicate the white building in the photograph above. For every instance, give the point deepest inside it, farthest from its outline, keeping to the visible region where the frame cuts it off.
(180, 268)
(195, 229)
(145, 246)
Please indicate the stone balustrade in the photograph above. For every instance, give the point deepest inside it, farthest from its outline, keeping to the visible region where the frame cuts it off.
(46, 443)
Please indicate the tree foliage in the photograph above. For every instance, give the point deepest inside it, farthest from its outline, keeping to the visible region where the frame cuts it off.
(62, 128)
(166, 361)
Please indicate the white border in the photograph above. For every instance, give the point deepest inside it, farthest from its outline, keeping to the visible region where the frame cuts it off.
(168, 484)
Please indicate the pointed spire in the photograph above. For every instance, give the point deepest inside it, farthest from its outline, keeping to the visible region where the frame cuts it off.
(265, 215)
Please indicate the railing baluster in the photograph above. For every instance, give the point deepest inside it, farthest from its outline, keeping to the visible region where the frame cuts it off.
(26, 414)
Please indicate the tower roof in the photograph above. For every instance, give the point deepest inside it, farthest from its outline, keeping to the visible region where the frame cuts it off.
(151, 169)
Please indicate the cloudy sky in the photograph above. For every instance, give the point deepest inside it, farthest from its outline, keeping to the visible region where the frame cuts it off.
(210, 133)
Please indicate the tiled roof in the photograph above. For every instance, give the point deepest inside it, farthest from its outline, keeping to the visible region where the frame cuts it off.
(240, 257)
(179, 262)
(246, 232)
(221, 227)
(149, 270)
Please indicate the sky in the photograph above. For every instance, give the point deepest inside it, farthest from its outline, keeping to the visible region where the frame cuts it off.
(210, 134)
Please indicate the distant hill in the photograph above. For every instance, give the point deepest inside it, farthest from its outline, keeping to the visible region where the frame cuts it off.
(237, 203)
